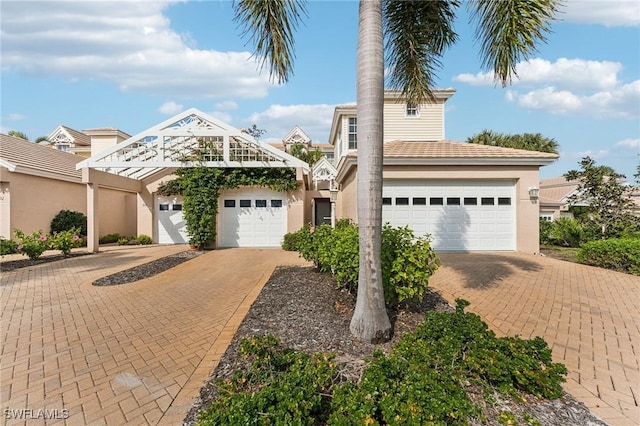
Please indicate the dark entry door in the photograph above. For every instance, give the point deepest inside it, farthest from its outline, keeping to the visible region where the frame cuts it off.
(323, 211)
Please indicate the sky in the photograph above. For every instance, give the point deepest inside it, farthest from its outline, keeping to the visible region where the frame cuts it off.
(133, 64)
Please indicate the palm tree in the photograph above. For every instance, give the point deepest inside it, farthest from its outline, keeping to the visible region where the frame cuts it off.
(417, 34)
(18, 134)
(526, 141)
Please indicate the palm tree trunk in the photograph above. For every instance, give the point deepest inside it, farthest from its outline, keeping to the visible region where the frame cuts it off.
(370, 321)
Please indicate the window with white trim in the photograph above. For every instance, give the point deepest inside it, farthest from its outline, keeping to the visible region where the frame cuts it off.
(413, 110)
(353, 133)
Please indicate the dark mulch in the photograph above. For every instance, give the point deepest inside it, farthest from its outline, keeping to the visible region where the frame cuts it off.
(147, 270)
(305, 310)
(12, 265)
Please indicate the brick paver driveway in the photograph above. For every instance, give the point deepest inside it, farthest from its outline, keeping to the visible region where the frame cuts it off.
(131, 354)
(589, 316)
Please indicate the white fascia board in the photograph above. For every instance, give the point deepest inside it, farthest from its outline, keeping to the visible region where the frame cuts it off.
(344, 166)
(9, 166)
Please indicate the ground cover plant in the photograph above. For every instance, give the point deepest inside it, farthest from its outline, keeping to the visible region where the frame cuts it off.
(424, 379)
(618, 254)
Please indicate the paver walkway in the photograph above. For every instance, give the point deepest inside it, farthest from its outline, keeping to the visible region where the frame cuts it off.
(589, 316)
(133, 354)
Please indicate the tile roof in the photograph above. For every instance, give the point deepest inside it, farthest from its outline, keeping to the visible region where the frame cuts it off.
(25, 154)
(451, 149)
(79, 138)
(555, 190)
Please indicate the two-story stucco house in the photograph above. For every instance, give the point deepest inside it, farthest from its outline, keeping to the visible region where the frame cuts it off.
(467, 197)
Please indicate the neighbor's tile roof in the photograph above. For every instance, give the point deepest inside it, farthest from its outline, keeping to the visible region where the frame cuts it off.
(22, 153)
(450, 149)
(554, 190)
(79, 138)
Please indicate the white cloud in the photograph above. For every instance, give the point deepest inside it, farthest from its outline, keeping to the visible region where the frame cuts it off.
(227, 105)
(569, 73)
(15, 117)
(170, 108)
(620, 102)
(131, 45)
(278, 120)
(610, 13)
(222, 116)
(629, 143)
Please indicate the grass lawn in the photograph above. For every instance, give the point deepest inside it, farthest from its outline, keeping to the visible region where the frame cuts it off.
(570, 254)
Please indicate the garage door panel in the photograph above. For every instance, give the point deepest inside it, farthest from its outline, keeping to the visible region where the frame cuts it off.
(171, 228)
(474, 224)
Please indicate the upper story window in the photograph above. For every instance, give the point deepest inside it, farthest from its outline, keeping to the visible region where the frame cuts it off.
(63, 147)
(413, 110)
(353, 133)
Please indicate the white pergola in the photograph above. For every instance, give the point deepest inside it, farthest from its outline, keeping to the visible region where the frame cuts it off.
(191, 138)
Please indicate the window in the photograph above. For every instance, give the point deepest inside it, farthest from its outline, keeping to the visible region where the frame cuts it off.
(386, 201)
(487, 201)
(504, 201)
(454, 201)
(470, 201)
(546, 216)
(229, 203)
(353, 133)
(420, 201)
(413, 110)
(276, 203)
(164, 207)
(261, 203)
(63, 147)
(436, 201)
(329, 156)
(402, 201)
(177, 207)
(245, 203)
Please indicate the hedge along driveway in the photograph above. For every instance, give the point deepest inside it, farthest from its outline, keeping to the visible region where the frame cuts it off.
(589, 317)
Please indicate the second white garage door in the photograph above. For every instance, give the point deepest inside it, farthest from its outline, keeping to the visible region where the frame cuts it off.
(252, 217)
(459, 215)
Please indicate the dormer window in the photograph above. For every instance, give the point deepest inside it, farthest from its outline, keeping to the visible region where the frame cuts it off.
(63, 147)
(412, 110)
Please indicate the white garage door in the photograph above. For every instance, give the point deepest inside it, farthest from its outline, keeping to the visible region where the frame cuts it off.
(252, 217)
(458, 215)
(171, 226)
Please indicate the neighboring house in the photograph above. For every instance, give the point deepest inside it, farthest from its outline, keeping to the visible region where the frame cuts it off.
(85, 143)
(554, 198)
(37, 182)
(297, 136)
(466, 196)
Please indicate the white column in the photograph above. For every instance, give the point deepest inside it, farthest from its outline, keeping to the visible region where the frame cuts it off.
(93, 227)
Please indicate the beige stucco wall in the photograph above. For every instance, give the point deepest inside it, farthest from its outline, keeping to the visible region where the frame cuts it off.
(33, 201)
(527, 210)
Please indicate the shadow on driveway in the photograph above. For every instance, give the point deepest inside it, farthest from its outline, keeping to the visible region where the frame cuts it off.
(484, 270)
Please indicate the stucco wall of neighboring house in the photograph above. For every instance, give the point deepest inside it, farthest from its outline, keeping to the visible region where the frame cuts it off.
(525, 177)
(33, 201)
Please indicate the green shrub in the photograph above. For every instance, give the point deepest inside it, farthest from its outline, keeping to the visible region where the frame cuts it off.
(407, 261)
(546, 228)
(109, 238)
(280, 387)
(144, 239)
(8, 246)
(568, 232)
(290, 241)
(617, 254)
(67, 220)
(32, 245)
(124, 240)
(66, 240)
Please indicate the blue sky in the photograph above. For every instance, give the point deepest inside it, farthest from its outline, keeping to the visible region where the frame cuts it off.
(131, 65)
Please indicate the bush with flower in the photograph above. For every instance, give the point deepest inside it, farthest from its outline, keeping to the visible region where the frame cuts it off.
(32, 245)
(66, 240)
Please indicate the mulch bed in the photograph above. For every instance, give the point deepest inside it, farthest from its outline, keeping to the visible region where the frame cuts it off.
(305, 310)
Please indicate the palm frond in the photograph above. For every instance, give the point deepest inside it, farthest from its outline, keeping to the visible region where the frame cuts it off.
(417, 32)
(270, 25)
(509, 31)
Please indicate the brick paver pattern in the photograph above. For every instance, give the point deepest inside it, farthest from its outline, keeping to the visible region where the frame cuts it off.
(134, 354)
(589, 316)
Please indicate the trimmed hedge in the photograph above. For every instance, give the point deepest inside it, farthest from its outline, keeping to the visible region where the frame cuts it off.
(618, 254)
(407, 261)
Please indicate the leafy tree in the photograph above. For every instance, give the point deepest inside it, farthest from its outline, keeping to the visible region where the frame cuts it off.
(637, 175)
(608, 200)
(310, 157)
(18, 134)
(527, 141)
(416, 34)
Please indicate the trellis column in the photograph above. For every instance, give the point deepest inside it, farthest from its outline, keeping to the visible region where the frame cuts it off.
(93, 216)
